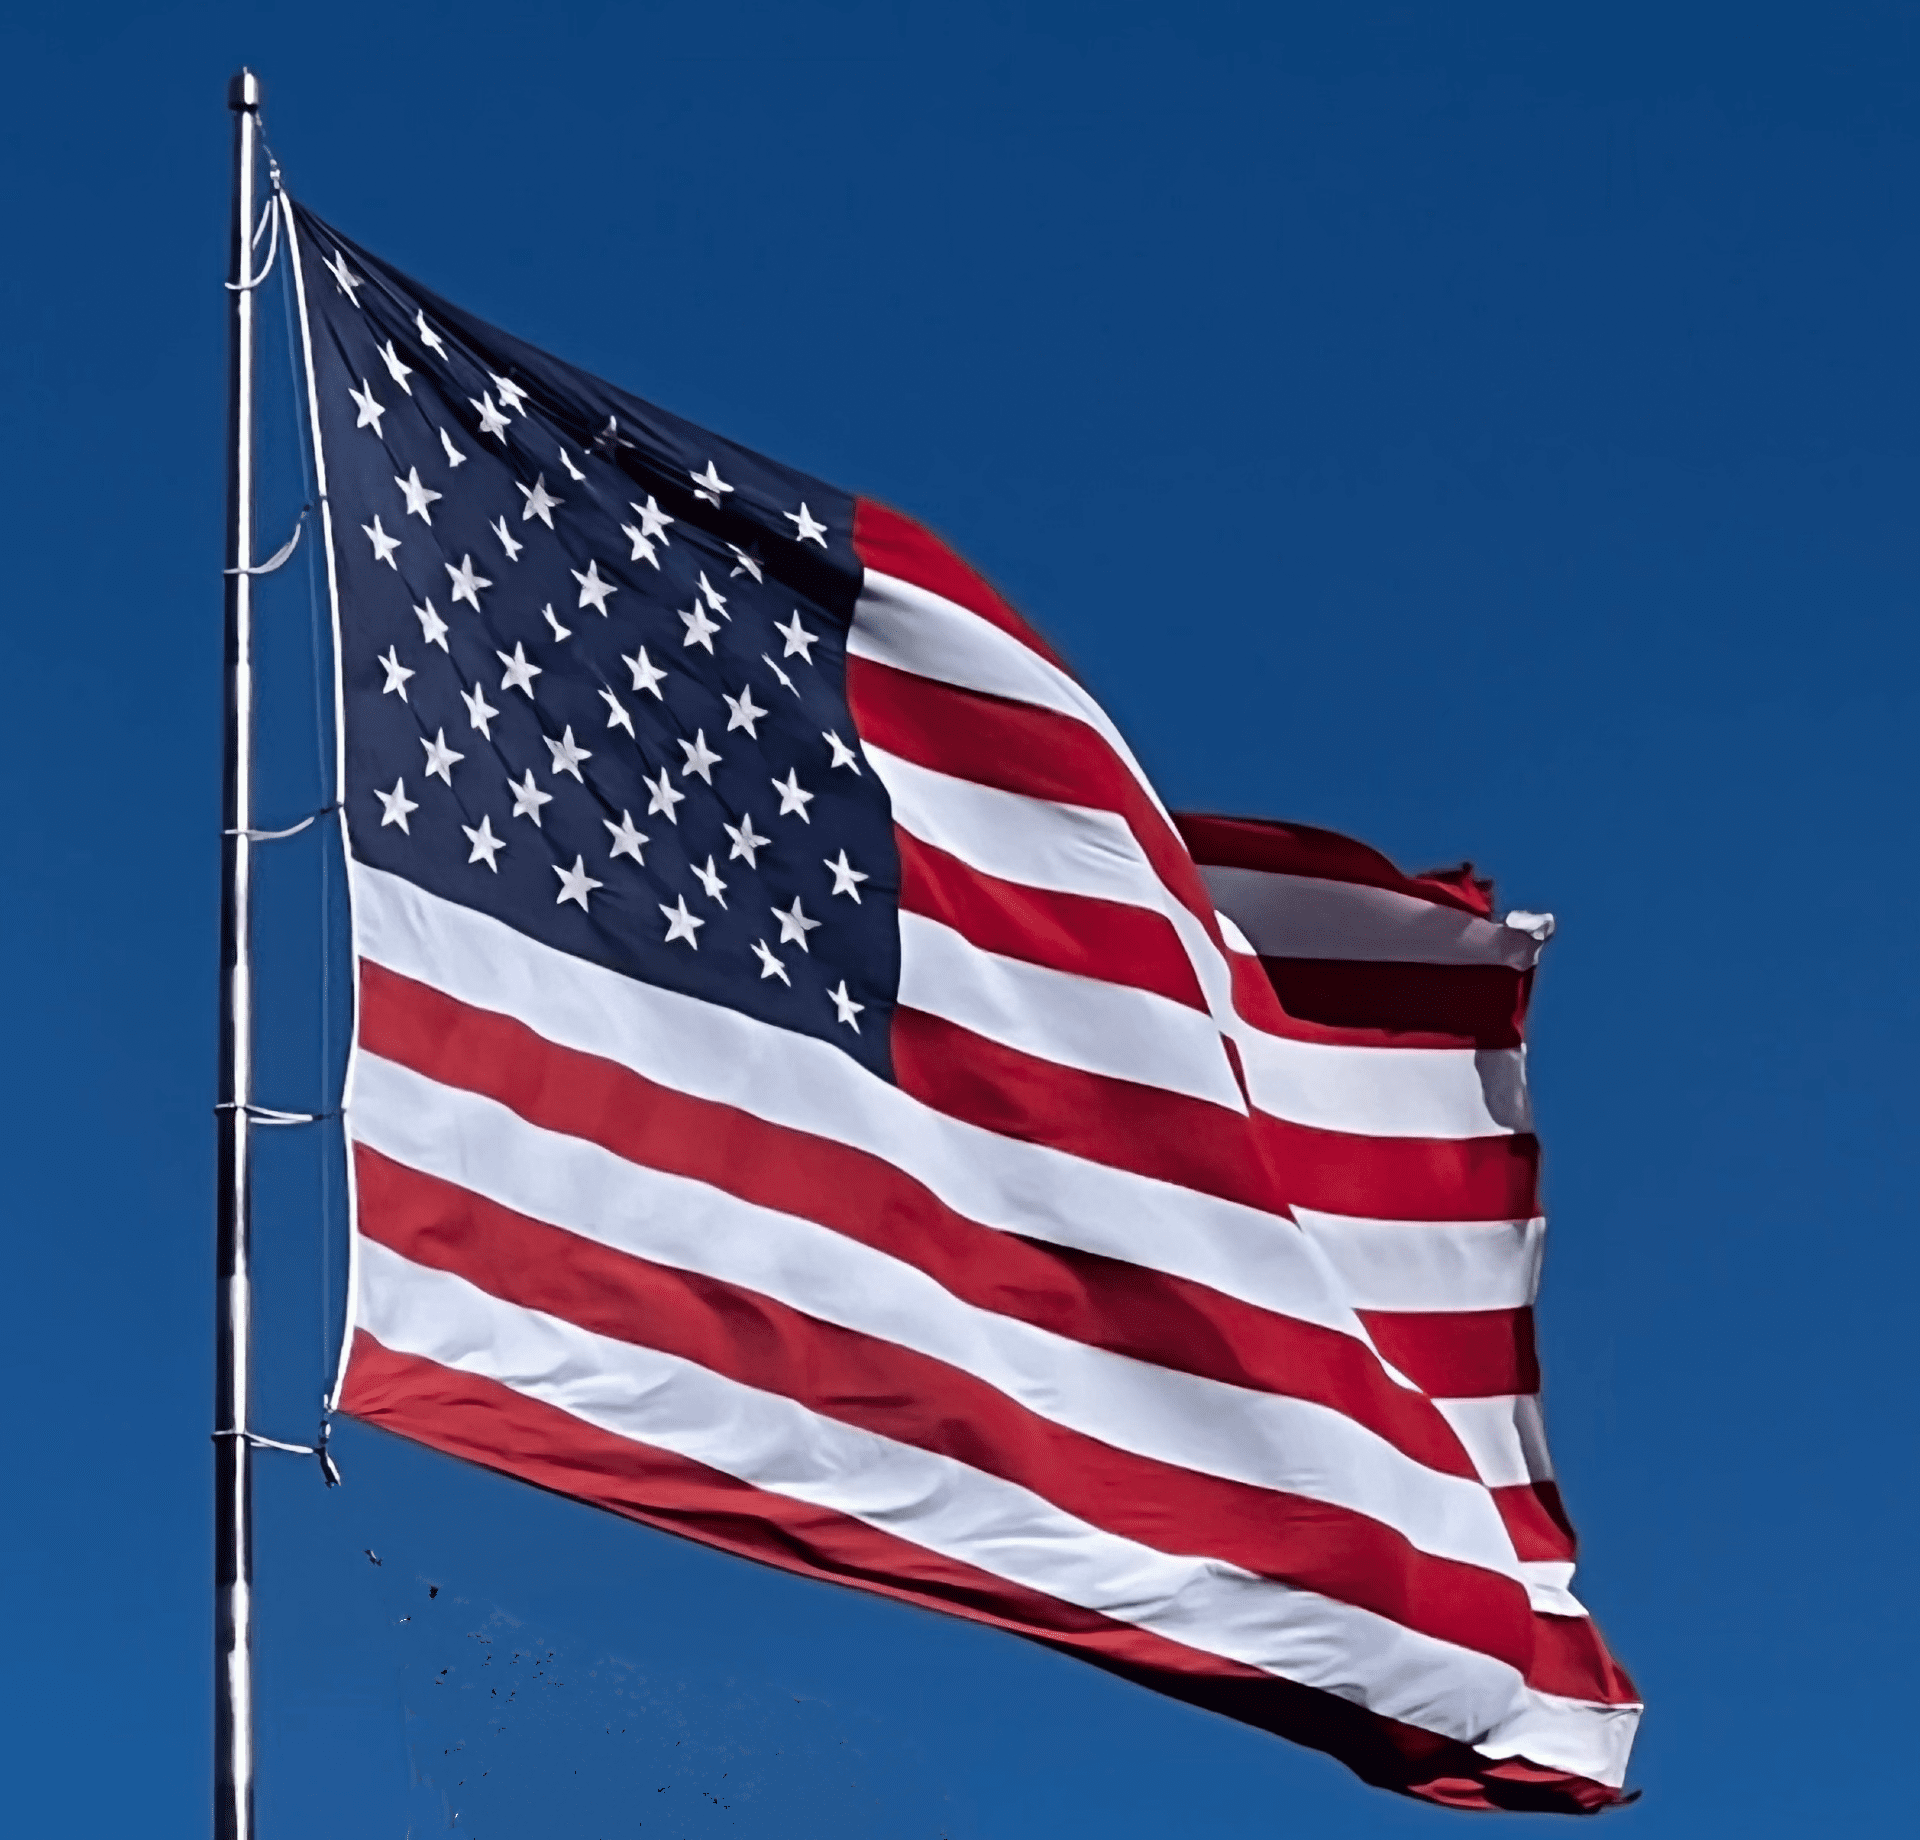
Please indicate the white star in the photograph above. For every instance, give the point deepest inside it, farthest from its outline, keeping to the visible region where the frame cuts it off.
(429, 338)
(798, 638)
(794, 925)
(810, 528)
(792, 798)
(700, 629)
(540, 502)
(383, 545)
(626, 839)
(715, 600)
(710, 486)
(508, 542)
(395, 369)
(491, 420)
(681, 924)
(567, 756)
(617, 716)
(575, 883)
(510, 393)
(776, 670)
(846, 878)
(479, 711)
(418, 496)
(397, 673)
(370, 411)
(553, 619)
(665, 796)
(343, 277)
(395, 805)
(701, 759)
(573, 472)
(843, 756)
(769, 965)
(440, 757)
(742, 712)
(642, 546)
(653, 521)
(486, 846)
(466, 583)
(521, 671)
(745, 563)
(593, 591)
(454, 456)
(709, 879)
(745, 842)
(844, 1007)
(646, 674)
(433, 629)
(528, 799)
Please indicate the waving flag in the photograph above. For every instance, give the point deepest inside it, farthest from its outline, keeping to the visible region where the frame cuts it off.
(811, 1096)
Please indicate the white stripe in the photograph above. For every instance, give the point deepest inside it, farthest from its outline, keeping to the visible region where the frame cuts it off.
(1550, 1586)
(1430, 1265)
(1264, 1440)
(1387, 1092)
(1059, 1016)
(1040, 843)
(945, 1507)
(715, 1053)
(1505, 1436)
(913, 629)
(1306, 916)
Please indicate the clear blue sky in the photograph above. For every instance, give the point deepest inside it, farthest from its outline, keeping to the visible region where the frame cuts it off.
(1545, 382)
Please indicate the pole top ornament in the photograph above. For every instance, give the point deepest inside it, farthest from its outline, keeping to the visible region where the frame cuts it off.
(245, 91)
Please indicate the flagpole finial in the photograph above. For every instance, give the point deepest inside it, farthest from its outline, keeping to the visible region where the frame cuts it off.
(245, 91)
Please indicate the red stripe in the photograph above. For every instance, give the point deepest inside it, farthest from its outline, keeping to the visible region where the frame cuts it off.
(1402, 1178)
(1536, 1520)
(1304, 849)
(891, 543)
(1065, 932)
(1105, 1303)
(1145, 1129)
(1263, 1161)
(489, 1424)
(1568, 1649)
(1460, 1354)
(1021, 748)
(1405, 1006)
(1255, 1001)
(913, 1399)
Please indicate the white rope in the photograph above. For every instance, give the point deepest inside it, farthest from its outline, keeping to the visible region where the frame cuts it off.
(292, 830)
(280, 555)
(269, 1114)
(254, 1440)
(273, 249)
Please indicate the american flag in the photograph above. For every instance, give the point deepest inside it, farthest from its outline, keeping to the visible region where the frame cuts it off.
(811, 1096)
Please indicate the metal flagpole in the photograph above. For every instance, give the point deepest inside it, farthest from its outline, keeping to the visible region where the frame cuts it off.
(232, 1454)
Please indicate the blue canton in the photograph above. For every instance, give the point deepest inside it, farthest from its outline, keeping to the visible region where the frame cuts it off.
(594, 666)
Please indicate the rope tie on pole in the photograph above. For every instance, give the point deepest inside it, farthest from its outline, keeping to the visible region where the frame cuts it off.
(292, 830)
(272, 1114)
(255, 1440)
(285, 550)
(273, 245)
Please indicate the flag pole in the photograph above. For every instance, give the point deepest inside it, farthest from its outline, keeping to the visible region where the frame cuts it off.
(232, 1453)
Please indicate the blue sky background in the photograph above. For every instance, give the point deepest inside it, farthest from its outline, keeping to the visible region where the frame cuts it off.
(1490, 431)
